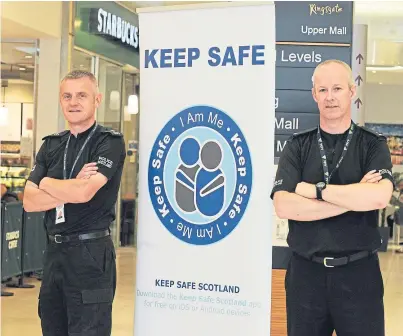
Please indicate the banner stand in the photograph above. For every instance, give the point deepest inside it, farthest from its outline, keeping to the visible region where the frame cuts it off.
(20, 283)
(204, 245)
(6, 293)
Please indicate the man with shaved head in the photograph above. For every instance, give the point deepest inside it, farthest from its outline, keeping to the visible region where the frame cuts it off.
(330, 182)
(76, 179)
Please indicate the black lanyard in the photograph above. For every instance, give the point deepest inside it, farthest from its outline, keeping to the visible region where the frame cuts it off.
(78, 155)
(328, 176)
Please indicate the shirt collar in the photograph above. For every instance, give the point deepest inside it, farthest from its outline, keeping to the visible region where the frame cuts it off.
(86, 132)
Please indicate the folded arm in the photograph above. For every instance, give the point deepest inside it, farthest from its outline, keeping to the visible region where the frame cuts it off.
(292, 206)
(37, 200)
(287, 202)
(360, 196)
(366, 196)
(73, 190)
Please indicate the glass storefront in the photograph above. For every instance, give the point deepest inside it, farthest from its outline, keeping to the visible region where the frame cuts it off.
(81, 61)
(119, 86)
(110, 85)
(130, 129)
(17, 112)
(115, 65)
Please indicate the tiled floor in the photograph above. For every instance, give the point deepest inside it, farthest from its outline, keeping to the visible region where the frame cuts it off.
(19, 313)
(392, 271)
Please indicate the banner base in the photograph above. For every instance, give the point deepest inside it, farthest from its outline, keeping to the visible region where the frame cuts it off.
(20, 284)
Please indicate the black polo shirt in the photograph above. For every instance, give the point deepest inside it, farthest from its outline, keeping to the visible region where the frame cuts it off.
(301, 162)
(107, 148)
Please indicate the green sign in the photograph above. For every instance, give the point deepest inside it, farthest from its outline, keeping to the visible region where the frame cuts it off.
(107, 29)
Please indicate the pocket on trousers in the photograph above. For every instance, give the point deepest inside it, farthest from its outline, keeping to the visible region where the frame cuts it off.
(96, 255)
(93, 296)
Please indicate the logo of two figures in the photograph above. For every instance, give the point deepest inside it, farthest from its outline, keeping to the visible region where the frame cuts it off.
(199, 179)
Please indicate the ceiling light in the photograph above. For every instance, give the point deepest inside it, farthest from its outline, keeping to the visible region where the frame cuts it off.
(133, 104)
(114, 100)
(385, 68)
(373, 71)
(380, 83)
(77, 23)
(22, 69)
(28, 56)
(3, 116)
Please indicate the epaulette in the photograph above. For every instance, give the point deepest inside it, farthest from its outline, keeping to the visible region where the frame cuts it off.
(56, 135)
(309, 130)
(378, 135)
(111, 131)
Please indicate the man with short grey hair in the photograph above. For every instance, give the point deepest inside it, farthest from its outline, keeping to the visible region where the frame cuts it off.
(330, 182)
(76, 179)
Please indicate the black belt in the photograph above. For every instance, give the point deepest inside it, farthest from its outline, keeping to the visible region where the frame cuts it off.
(78, 237)
(341, 261)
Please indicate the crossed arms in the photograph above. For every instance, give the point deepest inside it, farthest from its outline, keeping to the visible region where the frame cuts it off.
(53, 192)
(370, 194)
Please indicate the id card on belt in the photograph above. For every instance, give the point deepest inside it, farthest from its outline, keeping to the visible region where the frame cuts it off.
(60, 214)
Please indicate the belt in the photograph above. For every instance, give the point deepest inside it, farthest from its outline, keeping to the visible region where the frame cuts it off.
(341, 261)
(78, 237)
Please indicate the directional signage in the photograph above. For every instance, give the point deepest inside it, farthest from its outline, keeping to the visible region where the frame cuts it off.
(308, 33)
(294, 78)
(317, 21)
(359, 61)
(309, 56)
(294, 101)
(279, 143)
(290, 123)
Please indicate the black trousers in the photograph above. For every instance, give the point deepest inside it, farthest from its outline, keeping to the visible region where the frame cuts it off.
(347, 299)
(78, 288)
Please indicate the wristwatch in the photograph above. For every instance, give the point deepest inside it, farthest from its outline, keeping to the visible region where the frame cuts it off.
(319, 188)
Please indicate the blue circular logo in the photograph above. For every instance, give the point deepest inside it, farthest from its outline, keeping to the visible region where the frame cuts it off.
(200, 175)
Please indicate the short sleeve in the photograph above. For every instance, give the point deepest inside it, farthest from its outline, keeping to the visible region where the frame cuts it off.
(378, 158)
(109, 155)
(39, 170)
(289, 168)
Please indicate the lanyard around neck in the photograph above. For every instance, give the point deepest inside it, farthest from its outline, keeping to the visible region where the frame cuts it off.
(328, 175)
(78, 155)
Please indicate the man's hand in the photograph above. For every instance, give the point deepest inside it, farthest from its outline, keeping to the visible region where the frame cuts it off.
(371, 177)
(88, 170)
(306, 190)
(36, 200)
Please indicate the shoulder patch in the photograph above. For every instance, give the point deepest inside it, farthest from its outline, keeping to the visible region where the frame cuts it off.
(56, 135)
(304, 132)
(111, 132)
(375, 133)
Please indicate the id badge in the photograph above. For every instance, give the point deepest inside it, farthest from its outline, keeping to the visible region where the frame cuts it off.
(60, 214)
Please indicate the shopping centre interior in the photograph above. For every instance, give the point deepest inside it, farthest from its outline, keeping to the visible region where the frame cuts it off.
(38, 48)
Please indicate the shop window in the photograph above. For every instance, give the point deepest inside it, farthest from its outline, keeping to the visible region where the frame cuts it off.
(17, 113)
(81, 61)
(129, 185)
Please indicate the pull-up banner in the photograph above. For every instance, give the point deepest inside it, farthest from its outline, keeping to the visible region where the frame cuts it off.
(206, 147)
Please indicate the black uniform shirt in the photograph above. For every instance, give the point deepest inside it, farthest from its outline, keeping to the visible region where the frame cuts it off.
(301, 162)
(107, 148)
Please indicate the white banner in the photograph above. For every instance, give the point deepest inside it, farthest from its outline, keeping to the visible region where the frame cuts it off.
(206, 165)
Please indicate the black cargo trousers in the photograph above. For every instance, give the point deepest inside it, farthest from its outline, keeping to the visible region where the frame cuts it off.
(78, 288)
(346, 299)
